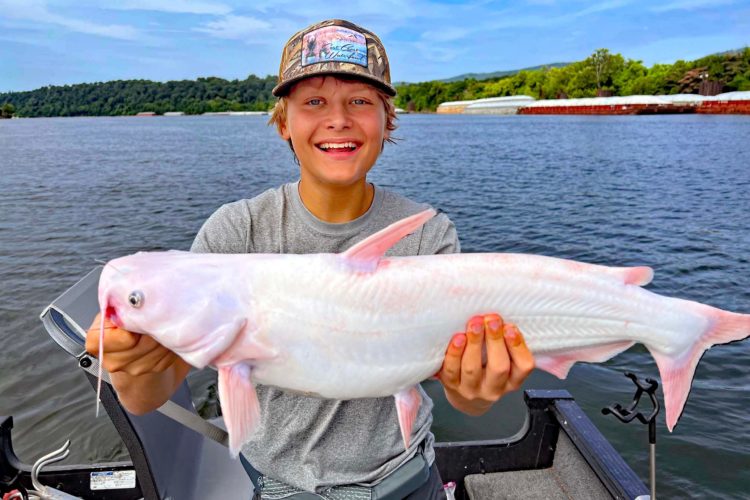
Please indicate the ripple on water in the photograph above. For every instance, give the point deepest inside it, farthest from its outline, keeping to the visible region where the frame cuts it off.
(612, 190)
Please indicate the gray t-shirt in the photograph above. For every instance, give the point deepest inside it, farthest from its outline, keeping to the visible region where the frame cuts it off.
(306, 442)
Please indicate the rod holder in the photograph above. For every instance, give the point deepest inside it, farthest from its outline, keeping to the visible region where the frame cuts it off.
(629, 413)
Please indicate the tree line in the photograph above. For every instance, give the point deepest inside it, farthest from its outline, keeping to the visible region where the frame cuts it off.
(603, 73)
(7, 110)
(128, 97)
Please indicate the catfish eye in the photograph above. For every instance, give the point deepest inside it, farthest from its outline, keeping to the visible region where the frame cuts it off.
(136, 298)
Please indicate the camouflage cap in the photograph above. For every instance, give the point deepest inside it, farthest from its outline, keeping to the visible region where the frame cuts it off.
(334, 47)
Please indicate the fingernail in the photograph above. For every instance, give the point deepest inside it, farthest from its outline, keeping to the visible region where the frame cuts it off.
(476, 328)
(459, 340)
(513, 336)
(494, 325)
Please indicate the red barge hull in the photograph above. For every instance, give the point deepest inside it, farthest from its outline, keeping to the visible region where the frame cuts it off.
(618, 109)
(725, 107)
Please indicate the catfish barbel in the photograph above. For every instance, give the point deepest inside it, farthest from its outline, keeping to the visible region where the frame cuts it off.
(361, 325)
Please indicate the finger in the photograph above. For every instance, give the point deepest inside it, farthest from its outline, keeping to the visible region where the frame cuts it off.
(155, 360)
(498, 360)
(115, 339)
(92, 336)
(450, 373)
(471, 361)
(522, 361)
(136, 360)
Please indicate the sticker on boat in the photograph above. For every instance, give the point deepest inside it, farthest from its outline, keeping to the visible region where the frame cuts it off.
(112, 480)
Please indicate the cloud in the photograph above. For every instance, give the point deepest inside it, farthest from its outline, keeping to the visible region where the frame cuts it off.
(175, 6)
(323, 9)
(37, 12)
(508, 19)
(437, 54)
(667, 50)
(690, 5)
(599, 7)
(237, 28)
(449, 34)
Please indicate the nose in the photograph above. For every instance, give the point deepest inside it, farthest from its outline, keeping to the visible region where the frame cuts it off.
(338, 117)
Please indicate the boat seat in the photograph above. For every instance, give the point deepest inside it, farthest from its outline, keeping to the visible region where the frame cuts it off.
(171, 460)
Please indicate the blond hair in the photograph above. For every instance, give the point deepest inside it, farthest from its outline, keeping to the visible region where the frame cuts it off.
(278, 114)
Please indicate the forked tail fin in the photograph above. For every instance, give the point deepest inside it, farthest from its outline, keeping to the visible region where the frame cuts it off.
(677, 372)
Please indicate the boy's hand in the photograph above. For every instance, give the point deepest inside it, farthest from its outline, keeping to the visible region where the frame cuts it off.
(128, 352)
(471, 385)
(144, 373)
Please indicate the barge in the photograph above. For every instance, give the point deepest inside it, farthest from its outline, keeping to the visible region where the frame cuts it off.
(727, 103)
(735, 103)
(628, 105)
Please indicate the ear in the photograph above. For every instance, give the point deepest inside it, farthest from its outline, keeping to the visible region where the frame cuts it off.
(284, 131)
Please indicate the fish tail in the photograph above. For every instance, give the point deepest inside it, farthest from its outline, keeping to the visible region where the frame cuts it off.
(677, 371)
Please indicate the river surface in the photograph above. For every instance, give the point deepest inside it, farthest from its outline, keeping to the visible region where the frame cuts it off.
(671, 192)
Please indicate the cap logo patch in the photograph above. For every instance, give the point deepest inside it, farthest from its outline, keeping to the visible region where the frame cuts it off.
(334, 43)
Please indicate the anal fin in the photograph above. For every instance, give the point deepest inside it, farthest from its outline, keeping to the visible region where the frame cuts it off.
(407, 406)
(559, 363)
(239, 404)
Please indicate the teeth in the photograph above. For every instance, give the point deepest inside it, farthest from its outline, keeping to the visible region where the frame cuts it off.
(337, 145)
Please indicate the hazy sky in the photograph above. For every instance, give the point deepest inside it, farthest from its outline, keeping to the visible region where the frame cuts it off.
(53, 42)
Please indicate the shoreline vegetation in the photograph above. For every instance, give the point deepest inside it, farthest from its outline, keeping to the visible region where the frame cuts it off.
(601, 74)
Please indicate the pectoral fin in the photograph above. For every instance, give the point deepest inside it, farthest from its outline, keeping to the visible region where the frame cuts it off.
(239, 404)
(407, 406)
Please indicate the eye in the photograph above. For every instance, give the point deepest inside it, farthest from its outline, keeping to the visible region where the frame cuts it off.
(136, 298)
(315, 102)
(360, 101)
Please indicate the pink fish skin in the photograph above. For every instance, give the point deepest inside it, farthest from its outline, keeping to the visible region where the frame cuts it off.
(358, 324)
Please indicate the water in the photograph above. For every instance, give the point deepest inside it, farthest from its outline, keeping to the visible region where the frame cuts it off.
(670, 192)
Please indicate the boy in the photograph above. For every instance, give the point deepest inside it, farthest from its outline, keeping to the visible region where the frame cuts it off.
(336, 113)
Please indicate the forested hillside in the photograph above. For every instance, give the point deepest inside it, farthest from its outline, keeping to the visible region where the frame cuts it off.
(133, 96)
(602, 72)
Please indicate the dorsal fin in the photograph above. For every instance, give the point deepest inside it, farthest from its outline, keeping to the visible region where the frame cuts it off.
(636, 275)
(366, 254)
(639, 275)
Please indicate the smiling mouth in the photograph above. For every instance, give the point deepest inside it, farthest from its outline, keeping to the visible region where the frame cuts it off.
(335, 147)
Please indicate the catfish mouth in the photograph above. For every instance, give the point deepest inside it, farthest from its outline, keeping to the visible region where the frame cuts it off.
(333, 147)
(111, 314)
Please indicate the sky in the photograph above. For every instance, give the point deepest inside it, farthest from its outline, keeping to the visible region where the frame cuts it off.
(57, 42)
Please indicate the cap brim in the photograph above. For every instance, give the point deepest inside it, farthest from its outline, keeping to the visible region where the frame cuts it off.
(284, 87)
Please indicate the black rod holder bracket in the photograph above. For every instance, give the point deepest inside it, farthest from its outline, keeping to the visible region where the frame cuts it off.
(628, 414)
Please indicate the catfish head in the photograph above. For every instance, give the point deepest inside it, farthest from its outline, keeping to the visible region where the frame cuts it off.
(181, 299)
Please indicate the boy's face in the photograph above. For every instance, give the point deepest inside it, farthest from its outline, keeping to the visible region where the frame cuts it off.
(337, 129)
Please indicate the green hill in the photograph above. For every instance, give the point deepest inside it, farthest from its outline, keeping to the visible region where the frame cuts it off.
(500, 74)
(128, 97)
(602, 71)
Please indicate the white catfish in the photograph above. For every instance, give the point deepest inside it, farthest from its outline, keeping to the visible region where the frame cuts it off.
(358, 324)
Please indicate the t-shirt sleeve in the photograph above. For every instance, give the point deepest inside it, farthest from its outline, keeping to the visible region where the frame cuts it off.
(226, 231)
(439, 236)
